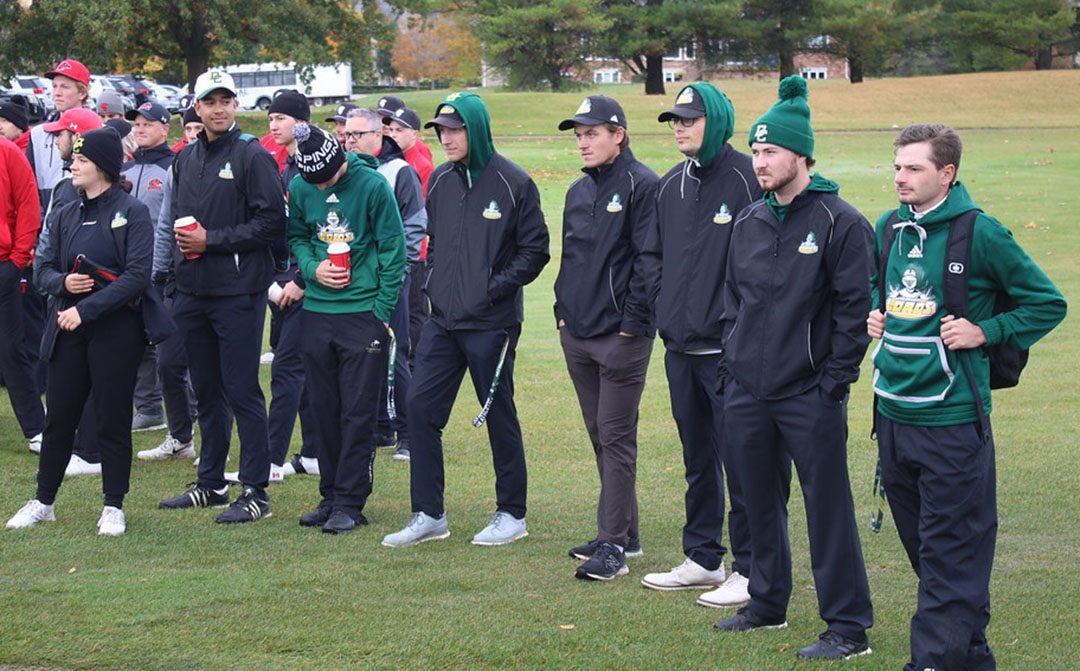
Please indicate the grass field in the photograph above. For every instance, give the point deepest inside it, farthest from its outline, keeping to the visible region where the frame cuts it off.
(178, 592)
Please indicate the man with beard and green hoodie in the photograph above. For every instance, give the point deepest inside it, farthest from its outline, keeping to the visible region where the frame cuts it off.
(697, 201)
(932, 420)
(488, 239)
(795, 299)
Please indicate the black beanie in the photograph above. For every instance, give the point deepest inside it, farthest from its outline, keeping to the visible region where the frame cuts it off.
(191, 116)
(291, 103)
(103, 148)
(14, 110)
(121, 127)
(318, 155)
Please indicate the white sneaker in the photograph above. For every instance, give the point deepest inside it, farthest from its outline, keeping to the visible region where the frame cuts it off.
(504, 528)
(170, 448)
(420, 529)
(267, 358)
(277, 475)
(687, 575)
(80, 466)
(733, 592)
(112, 522)
(35, 444)
(33, 512)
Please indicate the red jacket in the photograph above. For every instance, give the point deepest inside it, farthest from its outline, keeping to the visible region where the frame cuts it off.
(280, 154)
(20, 210)
(419, 157)
(179, 145)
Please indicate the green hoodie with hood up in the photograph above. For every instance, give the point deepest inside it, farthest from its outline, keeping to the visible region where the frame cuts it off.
(918, 380)
(474, 113)
(719, 121)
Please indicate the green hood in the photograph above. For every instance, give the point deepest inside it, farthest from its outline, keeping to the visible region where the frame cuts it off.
(956, 203)
(719, 121)
(363, 159)
(819, 183)
(478, 122)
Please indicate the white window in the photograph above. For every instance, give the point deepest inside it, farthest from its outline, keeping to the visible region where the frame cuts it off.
(815, 73)
(607, 76)
(672, 75)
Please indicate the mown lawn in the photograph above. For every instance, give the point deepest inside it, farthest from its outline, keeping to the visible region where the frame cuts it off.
(178, 592)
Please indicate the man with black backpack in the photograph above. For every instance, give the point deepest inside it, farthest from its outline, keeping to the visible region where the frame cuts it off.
(229, 207)
(951, 278)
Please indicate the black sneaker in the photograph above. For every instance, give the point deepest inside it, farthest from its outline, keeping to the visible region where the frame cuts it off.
(401, 452)
(342, 522)
(297, 464)
(196, 497)
(248, 507)
(317, 517)
(607, 563)
(832, 645)
(744, 621)
(387, 439)
(583, 552)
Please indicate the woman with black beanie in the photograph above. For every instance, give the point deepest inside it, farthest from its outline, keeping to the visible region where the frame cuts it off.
(96, 271)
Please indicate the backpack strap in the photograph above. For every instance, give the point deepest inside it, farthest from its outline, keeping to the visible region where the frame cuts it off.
(955, 292)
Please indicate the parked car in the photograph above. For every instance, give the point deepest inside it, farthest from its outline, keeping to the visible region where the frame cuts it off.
(129, 86)
(34, 88)
(168, 96)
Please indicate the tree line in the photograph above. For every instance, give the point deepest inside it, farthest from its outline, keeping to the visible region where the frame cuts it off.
(539, 43)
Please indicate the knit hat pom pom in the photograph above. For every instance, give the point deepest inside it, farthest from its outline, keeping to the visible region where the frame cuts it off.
(793, 87)
(301, 132)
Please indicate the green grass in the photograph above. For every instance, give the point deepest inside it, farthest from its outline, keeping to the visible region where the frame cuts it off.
(179, 592)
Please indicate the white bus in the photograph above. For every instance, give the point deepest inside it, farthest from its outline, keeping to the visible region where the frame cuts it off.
(257, 83)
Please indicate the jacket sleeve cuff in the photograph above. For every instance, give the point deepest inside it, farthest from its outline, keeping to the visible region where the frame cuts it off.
(634, 327)
(835, 390)
(991, 328)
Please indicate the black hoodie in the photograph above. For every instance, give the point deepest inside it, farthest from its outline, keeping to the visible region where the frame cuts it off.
(610, 267)
(697, 205)
(241, 220)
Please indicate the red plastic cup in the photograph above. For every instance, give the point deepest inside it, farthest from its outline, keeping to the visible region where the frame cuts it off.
(187, 224)
(340, 256)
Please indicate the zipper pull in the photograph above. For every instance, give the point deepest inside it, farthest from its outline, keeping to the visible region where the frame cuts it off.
(776, 247)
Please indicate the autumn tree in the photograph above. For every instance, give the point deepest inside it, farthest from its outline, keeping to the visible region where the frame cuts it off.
(441, 49)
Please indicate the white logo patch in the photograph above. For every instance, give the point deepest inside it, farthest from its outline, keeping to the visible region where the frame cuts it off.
(226, 171)
(956, 268)
(585, 107)
(333, 198)
(492, 211)
(761, 133)
(809, 245)
(615, 205)
(686, 96)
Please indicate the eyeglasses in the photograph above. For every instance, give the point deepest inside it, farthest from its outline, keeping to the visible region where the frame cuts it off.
(359, 134)
(682, 123)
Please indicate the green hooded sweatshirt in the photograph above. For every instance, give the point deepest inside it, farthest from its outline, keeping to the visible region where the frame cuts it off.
(359, 209)
(474, 113)
(917, 379)
(719, 121)
(817, 183)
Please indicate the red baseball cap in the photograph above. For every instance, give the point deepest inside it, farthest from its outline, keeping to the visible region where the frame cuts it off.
(78, 121)
(72, 69)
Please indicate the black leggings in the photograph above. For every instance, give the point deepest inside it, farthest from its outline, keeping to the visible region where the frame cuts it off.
(104, 356)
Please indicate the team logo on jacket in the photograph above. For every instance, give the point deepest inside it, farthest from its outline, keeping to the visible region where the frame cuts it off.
(809, 245)
(492, 211)
(226, 171)
(154, 185)
(722, 216)
(615, 205)
(336, 229)
(118, 220)
(909, 300)
(915, 253)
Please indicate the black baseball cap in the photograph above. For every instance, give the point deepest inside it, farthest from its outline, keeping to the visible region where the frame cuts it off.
(151, 111)
(596, 111)
(389, 105)
(404, 116)
(342, 112)
(688, 105)
(447, 117)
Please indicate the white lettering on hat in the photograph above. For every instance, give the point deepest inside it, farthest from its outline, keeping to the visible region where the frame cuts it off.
(685, 97)
(382, 102)
(761, 133)
(585, 108)
(63, 67)
(447, 109)
(399, 112)
(615, 118)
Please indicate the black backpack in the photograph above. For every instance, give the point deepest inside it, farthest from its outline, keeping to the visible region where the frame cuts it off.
(1006, 362)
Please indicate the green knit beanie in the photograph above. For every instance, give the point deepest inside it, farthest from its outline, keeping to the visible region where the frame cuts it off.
(787, 123)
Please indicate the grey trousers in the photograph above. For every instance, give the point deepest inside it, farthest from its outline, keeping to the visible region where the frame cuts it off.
(608, 373)
(147, 397)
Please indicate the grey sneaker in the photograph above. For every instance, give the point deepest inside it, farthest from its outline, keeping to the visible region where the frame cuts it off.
(421, 528)
(504, 528)
(141, 422)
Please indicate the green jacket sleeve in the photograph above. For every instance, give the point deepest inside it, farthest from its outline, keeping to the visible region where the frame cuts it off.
(389, 233)
(1040, 306)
